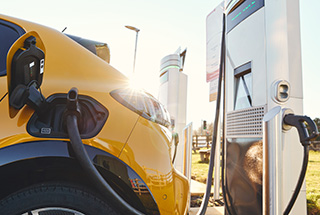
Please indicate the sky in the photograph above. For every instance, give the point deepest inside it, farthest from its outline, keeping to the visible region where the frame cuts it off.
(164, 26)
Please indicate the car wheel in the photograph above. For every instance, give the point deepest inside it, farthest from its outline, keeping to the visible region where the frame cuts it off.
(54, 199)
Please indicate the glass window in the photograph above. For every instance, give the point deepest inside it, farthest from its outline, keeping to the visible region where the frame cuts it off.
(243, 93)
(248, 81)
(7, 37)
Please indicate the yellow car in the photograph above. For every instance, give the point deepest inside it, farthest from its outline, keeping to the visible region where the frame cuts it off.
(74, 137)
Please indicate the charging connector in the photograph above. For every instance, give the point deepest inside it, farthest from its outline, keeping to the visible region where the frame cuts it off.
(72, 113)
(301, 122)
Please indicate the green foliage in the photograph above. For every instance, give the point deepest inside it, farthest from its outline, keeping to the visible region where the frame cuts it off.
(313, 183)
(313, 204)
(317, 121)
(199, 171)
(201, 131)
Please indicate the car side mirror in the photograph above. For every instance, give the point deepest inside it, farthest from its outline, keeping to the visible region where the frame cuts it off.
(25, 67)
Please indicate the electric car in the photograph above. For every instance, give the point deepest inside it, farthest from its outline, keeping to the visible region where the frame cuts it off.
(74, 137)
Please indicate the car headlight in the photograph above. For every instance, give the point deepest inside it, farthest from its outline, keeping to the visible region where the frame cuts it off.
(143, 104)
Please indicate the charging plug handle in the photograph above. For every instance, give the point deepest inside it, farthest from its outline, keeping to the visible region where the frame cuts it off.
(73, 107)
(36, 100)
(301, 122)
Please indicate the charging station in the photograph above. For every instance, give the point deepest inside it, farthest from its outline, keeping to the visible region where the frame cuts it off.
(173, 95)
(263, 80)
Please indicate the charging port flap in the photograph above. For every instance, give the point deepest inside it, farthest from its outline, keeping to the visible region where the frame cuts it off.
(25, 67)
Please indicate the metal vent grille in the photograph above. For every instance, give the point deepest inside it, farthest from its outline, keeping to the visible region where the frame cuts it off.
(245, 123)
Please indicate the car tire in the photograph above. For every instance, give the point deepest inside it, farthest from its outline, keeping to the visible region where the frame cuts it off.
(55, 199)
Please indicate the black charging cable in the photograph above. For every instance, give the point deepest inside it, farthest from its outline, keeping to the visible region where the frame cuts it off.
(205, 200)
(176, 141)
(300, 181)
(225, 193)
(305, 139)
(72, 116)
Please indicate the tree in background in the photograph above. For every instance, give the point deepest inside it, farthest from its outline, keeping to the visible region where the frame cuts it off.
(201, 131)
(317, 121)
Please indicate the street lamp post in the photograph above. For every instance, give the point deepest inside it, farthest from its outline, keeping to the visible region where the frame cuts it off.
(135, 49)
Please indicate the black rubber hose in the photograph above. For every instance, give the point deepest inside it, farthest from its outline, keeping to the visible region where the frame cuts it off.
(84, 160)
(300, 181)
(223, 151)
(176, 141)
(174, 154)
(205, 200)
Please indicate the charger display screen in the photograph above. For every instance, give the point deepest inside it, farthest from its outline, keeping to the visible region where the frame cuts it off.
(245, 9)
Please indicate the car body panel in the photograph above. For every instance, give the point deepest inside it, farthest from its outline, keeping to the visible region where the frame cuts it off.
(67, 65)
(148, 152)
(142, 145)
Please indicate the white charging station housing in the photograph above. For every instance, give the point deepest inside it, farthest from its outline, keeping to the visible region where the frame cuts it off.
(263, 72)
